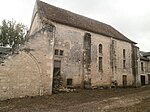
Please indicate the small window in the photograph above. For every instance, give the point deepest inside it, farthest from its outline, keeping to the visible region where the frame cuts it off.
(124, 64)
(113, 41)
(100, 48)
(124, 53)
(69, 82)
(61, 52)
(142, 66)
(100, 63)
(56, 51)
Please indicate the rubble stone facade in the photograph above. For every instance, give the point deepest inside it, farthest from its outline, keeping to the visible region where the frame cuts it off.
(58, 55)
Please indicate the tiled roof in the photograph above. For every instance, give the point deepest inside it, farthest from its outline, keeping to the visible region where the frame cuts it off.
(144, 58)
(62, 16)
(143, 55)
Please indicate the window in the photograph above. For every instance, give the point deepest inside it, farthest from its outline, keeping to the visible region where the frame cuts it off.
(100, 66)
(69, 82)
(124, 64)
(56, 51)
(124, 60)
(100, 63)
(100, 48)
(124, 53)
(113, 41)
(61, 52)
(142, 66)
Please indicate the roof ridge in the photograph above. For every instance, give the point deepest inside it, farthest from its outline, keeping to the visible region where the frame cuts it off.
(69, 18)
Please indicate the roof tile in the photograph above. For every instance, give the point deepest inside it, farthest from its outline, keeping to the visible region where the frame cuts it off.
(62, 16)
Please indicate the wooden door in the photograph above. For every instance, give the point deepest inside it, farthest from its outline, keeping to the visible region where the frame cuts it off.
(124, 81)
(142, 80)
(56, 75)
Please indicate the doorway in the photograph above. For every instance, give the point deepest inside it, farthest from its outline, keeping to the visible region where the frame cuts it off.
(142, 80)
(124, 81)
(57, 79)
(148, 78)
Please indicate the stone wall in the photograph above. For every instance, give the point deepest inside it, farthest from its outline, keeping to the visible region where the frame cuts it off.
(145, 71)
(35, 61)
(120, 70)
(30, 72)
(101, 77)
(71, 41)
(19, 76)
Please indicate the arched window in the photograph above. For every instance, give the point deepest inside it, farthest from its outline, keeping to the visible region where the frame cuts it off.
(100, 48)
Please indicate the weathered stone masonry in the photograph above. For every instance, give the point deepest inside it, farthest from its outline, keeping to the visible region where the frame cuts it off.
(29, 72)
(68, 50)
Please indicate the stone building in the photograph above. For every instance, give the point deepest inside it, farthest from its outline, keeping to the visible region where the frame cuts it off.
(145, 68)
(65, 49)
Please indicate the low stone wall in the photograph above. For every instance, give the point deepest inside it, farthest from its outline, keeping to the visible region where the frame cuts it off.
(19, 76)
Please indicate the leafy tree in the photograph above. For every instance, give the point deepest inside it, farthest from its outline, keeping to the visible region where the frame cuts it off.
(12, 34)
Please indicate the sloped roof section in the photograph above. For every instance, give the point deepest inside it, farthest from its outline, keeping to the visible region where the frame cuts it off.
(145, 53)
(62, 16)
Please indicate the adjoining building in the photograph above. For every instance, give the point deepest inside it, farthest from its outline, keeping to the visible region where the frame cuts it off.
(145, 68)
(65, 49)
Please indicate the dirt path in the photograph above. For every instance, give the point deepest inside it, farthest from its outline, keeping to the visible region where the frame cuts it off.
(112, 104)
(110, 100)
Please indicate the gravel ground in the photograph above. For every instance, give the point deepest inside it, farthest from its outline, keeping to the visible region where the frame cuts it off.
(108, 100)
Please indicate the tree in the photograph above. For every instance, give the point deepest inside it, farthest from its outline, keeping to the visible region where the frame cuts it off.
(12, 34)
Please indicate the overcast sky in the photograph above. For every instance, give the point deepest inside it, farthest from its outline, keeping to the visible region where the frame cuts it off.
(130, 17)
